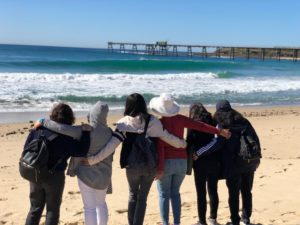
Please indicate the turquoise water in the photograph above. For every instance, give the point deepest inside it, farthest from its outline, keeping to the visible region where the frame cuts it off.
(34, 77)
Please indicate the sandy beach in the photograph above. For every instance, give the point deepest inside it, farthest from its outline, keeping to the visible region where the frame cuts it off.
(276, 192)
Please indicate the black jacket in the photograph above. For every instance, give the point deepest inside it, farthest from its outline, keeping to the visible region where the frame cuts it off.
(210, 162)
(62, 147)
(232, 163)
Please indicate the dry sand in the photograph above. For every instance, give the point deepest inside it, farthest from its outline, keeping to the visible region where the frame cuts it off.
(276, 192)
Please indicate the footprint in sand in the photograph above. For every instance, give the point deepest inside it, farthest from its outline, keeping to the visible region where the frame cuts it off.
(288, 213)
(74, 223)
(186, 205)
(73, 192)
(2, 222)
(78, 213)
(4, 167)
(260, 211)
(7, 214)
(277, 201)
(120, 211)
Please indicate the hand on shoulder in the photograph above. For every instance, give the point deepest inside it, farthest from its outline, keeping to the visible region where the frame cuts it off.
(225, 133)
(86, 127)
(38, 123)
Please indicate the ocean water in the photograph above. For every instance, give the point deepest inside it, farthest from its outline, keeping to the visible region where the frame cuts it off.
(32, 78)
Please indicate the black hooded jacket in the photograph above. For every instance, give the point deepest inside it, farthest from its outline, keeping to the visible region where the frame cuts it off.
(232, 163)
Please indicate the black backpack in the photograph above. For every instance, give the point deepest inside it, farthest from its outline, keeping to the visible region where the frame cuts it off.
(250, 147)
(143, 154)
(33, 164)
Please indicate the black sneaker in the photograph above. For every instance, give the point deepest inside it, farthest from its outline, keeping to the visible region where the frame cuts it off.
(229, 223)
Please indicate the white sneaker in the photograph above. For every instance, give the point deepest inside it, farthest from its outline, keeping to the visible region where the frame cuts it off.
(245, 223)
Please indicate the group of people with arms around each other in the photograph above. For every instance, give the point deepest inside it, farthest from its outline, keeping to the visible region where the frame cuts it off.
(152, 149)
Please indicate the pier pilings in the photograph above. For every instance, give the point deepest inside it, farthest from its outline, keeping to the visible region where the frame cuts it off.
(163, 48)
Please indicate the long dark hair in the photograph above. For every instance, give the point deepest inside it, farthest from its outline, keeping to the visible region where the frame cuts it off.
(62, 113)
(228, 118)
(200, 113)
(136, 106)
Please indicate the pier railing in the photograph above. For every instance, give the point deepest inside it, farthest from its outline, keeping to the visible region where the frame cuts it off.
(205, 51)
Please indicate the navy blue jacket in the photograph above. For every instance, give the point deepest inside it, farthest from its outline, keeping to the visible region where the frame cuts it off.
(233, 164)
(62, 147)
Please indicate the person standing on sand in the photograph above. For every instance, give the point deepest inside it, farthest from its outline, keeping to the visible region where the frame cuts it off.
(239, 173)
(172, 165)
(132, 124)
(94, 176)
(140, 181)
(49, 192)
(207, 169)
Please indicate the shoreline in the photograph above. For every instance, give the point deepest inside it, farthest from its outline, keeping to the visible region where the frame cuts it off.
(23, 117)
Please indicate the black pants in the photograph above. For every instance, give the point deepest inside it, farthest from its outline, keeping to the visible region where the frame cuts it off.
(139, 186)
(242, 183)
(210, 177)
(246, 191)
(47, 193)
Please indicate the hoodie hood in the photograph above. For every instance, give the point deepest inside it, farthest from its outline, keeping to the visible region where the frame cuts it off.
(98, 114)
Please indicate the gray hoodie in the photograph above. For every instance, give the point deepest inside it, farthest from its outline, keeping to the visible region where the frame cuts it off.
(98, 175)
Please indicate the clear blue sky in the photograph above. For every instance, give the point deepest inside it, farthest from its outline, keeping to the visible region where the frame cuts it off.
(91, 23)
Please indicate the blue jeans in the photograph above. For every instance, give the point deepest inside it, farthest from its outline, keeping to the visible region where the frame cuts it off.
(168, 187)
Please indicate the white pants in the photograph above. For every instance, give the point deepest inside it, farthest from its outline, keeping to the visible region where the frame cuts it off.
(95, 208)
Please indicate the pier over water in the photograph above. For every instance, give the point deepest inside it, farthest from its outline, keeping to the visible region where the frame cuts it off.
(163, 48)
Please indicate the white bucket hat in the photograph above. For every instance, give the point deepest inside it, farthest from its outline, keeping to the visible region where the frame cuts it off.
(164, 105)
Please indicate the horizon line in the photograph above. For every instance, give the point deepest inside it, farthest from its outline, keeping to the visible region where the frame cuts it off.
(54, 46)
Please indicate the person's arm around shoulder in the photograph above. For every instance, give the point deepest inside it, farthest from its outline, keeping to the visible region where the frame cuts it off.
(107, 150)
(156, 129)
(216, 144)
(203, 127)
(68, 130)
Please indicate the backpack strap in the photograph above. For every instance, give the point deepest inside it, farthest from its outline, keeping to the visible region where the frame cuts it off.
(146, 125)
(52, 137)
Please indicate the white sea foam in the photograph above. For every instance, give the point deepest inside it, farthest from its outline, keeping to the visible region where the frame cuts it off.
(26, 91)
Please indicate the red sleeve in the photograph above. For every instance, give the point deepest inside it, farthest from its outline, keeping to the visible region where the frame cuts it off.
(161, 155)
(197, 125)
